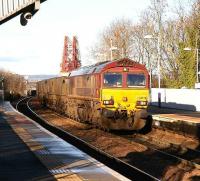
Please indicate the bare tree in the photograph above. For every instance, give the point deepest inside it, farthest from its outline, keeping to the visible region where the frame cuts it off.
(164, 50)
(117, 34)
(14, 84)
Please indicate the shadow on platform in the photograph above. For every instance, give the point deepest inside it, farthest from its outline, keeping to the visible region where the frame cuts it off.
(174, 105)
(17, 162)
(169, 109)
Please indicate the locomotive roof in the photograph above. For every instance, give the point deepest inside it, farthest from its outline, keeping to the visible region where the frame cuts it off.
(91, 69)
(98, 67)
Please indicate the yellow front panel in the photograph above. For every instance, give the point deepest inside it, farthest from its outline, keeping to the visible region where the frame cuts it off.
(124, 99)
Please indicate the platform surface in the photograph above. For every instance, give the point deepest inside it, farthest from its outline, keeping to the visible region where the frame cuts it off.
(30, 152)
(171, 115)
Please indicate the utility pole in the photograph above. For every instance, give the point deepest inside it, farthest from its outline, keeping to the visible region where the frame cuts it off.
(111, 55)
(111, 49)
(197, 52)
(158, 55)
(158, 60)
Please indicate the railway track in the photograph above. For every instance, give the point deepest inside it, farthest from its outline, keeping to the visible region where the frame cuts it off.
(125, 168)
(154, 161)
(178, 152)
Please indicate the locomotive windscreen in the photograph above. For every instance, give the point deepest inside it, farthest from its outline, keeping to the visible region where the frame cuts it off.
(134, 80)
(113, 80)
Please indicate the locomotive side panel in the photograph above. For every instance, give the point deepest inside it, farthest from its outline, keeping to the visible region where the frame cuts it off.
(60, 92)
(82, 86)
(42, 91)
(51, 94)
(83, 102)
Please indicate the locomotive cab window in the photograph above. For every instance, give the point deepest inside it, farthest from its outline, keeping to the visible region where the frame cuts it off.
(136, 80)
(112, 80)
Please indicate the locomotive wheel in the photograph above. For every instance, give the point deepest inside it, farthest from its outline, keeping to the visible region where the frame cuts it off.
(148, 126)
(81, 114)
(138, 123)
(105, 123)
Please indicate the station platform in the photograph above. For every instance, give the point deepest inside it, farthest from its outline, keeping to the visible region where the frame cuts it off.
(176, 119)
(30, 152)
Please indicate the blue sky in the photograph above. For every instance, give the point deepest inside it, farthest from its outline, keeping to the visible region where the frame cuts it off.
(37, 48)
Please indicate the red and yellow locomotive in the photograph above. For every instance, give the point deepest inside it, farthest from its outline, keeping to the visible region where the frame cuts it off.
(111, 95)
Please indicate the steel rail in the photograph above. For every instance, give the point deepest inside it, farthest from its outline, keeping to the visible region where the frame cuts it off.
(17, 105)
(152, 147)
(116, 164)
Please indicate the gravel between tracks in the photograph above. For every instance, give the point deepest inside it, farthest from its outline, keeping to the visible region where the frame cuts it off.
(131, 152)
(164, 138)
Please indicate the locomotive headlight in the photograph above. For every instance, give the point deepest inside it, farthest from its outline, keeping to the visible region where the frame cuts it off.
(141, 103)
(108, 102)
(125, 69)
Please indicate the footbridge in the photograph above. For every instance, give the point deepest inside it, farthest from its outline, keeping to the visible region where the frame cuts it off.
(12, 8)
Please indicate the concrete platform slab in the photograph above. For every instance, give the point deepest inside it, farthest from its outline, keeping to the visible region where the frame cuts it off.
(177, 120)
(49, 157)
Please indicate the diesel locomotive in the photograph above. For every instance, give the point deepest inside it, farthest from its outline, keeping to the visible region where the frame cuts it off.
(112, 95)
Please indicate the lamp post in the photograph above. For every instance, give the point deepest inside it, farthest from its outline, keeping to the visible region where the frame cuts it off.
(2, 85)
(150, 70)
(197, 61)
(158, 49)
(111, 49)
